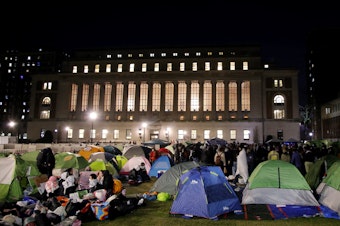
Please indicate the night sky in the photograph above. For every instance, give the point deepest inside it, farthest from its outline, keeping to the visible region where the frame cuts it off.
(281, 29)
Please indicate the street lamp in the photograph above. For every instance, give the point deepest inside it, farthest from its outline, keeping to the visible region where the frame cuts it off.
(144, 125)
(93, 116)
(11, 124)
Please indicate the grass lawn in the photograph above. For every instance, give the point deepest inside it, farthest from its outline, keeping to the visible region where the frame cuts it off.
(157, 213)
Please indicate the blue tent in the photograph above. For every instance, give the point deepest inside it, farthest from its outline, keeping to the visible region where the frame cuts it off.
(162, 163)
(205, 192)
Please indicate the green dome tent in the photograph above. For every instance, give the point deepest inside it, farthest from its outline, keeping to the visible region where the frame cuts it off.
(66, 160)
(279, 183)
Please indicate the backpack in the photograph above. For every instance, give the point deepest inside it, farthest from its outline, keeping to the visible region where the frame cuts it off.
(218, 160)
(45, 160)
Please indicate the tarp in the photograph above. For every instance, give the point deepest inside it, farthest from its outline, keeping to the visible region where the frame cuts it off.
(279, 183)
(205, 192)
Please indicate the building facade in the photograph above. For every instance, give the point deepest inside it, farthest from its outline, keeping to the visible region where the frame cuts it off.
(330, 120)
(16, 68)
(176, 94)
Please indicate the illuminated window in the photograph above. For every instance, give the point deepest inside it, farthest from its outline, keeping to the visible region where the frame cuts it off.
(45, 114)
(81, 134)
(232, 96)
(163, 54)
(194, 66)
(46, 101)
(246, 134)
(245, 96)
(47, 86)
(279, 107)
(131, 96)
(97, 68)
(108, 68)
(195, 95)
(132, 67)
(219, 133)
(181, 118)
(175, 54)
(278, 83)
(144, 67)
(207, 96)
(219, 117)
(156, 97)
(119, 55)
(232, 66)
(220, 96)
(181, 134)
(233, 134)
(86, 69)
(245, 65)
(198, 53)
(206, 134)
(169, 96)
(96, 96)
(152, 55)
(107, 97)
(182, 96)
(104, 133)
(194, 117)
(207, 66)
(193, 134)
(182, 66)
(156, 66)
(207, 117)
(143, 102)
(74, 96)
(119, 97)
(85, 97)
(75, 69)
(219, 66)
(169, 67)
(116, 134)
(120, 68)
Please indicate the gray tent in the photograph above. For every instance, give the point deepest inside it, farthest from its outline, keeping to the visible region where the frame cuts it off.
(167, 182)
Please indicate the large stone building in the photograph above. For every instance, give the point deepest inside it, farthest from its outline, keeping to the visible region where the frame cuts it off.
(177, 94)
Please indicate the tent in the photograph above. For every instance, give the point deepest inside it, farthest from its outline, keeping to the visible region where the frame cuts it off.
(11, 169)
(319, 169)
(162, 163)
(135, 162)
(329, 189)
(30, 159)
(100, 164)
(154, 142)
(88, 150)
(65, 160)
(167, 182)
(121, 160)
(279, 183)
(205, 192)
(217, 141)
(133, 150)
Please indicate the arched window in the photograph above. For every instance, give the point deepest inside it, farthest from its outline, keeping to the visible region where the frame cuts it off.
(279, 106)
